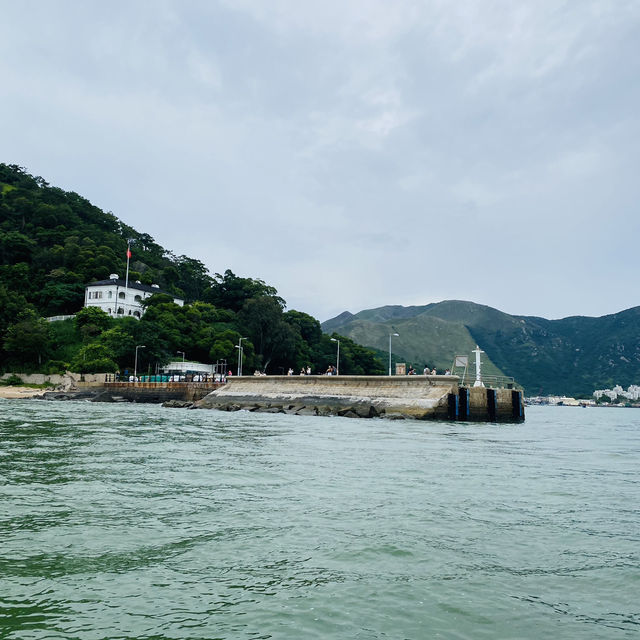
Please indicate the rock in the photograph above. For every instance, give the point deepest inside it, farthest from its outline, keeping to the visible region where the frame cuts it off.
(365, 411)
(307, 411)
(273, 410)
(177, 404)
(70, 395)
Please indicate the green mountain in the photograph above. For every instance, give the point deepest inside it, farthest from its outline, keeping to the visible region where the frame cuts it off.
(572, 356)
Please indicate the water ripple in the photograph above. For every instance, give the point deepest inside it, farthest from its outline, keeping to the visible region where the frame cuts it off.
(139, 522)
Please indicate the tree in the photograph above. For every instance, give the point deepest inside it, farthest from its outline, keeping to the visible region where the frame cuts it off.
(273, 339)
(11, 304)
(91, 322)
(27, 340)
(309, 327)
(232, 292)
(223, 347)
(93, 358)
(16, 247)
(194, 278)
(58, 298)
(158, 299)
(119, 344)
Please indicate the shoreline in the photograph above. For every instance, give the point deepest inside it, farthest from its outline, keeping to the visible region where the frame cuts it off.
(15, 393)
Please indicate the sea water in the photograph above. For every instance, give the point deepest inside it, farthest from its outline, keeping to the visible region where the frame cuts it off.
(135, 521)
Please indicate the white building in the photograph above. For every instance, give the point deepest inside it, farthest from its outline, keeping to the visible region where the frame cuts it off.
(632, 393)
(117, 299)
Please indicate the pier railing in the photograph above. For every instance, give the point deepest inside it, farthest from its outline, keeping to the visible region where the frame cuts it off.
(493, 382)
(161, 379)
(468, 380)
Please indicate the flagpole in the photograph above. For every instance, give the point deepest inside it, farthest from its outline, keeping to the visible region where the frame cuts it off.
(126, 282)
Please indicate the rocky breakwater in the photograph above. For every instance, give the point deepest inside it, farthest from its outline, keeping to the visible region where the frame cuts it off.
(418, 397)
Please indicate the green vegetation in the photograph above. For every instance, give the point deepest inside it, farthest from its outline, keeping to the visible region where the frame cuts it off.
(424, 338)
(573, 356)
(16, 381)
(53, 243)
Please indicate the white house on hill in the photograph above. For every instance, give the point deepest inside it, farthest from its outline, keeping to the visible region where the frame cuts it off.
(117, 299)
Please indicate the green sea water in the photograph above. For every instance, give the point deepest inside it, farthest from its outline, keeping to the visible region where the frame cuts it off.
(134, 521)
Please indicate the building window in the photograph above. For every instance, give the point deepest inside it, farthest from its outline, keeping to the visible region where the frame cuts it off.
(121, 295)
(138, 299)
(110, 294)
(120, 310)
(136, 314)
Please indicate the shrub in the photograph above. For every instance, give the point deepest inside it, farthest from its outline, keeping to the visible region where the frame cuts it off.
(56, 367)
(12, 381)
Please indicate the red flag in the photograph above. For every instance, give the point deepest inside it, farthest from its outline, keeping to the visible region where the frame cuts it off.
(128, 252)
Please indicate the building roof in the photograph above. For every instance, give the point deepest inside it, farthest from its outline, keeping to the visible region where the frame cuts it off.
(121, 282)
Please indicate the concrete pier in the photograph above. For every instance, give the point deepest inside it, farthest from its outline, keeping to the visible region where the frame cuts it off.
(155, 392)
(416, 397)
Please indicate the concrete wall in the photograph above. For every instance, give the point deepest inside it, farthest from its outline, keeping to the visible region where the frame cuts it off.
(156, 392)
(420, 397)
(66, 381)
(505, 410)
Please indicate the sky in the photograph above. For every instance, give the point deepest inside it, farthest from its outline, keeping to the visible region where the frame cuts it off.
(351, 154)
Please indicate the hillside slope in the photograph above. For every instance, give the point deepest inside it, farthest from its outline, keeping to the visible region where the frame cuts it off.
(571, 356)
(53, 242)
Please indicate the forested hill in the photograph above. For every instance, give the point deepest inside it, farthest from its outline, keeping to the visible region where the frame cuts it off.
(54, 242)
(572, 356)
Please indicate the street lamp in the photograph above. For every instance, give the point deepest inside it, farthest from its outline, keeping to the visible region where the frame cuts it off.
(337, 356)
(390, 336)
(135, 366)
(240, 352)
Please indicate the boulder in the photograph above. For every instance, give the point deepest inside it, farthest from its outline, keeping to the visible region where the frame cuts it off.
(177, 404)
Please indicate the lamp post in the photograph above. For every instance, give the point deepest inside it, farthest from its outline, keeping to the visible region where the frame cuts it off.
(337, 356)
(240, 352)
(182, 352)
(390, 336)
(135, 365)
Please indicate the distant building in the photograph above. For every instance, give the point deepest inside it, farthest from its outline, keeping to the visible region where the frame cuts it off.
(180, 368)
(119, 300)
(632, 393)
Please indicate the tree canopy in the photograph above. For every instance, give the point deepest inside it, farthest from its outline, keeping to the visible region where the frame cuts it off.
(53, 243)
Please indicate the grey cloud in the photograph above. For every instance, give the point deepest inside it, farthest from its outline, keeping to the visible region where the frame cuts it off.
(351, 154)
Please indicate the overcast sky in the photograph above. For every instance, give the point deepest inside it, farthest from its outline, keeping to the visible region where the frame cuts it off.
(352, 154)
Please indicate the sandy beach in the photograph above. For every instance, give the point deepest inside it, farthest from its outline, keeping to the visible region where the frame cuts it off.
(12, 393)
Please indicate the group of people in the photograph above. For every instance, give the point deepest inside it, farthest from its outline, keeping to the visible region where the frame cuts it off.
(427, 371)
(305, 371)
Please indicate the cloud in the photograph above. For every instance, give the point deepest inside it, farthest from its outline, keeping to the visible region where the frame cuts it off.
(351, 154)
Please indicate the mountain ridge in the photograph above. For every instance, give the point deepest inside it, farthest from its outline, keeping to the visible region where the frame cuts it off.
(572, 356)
